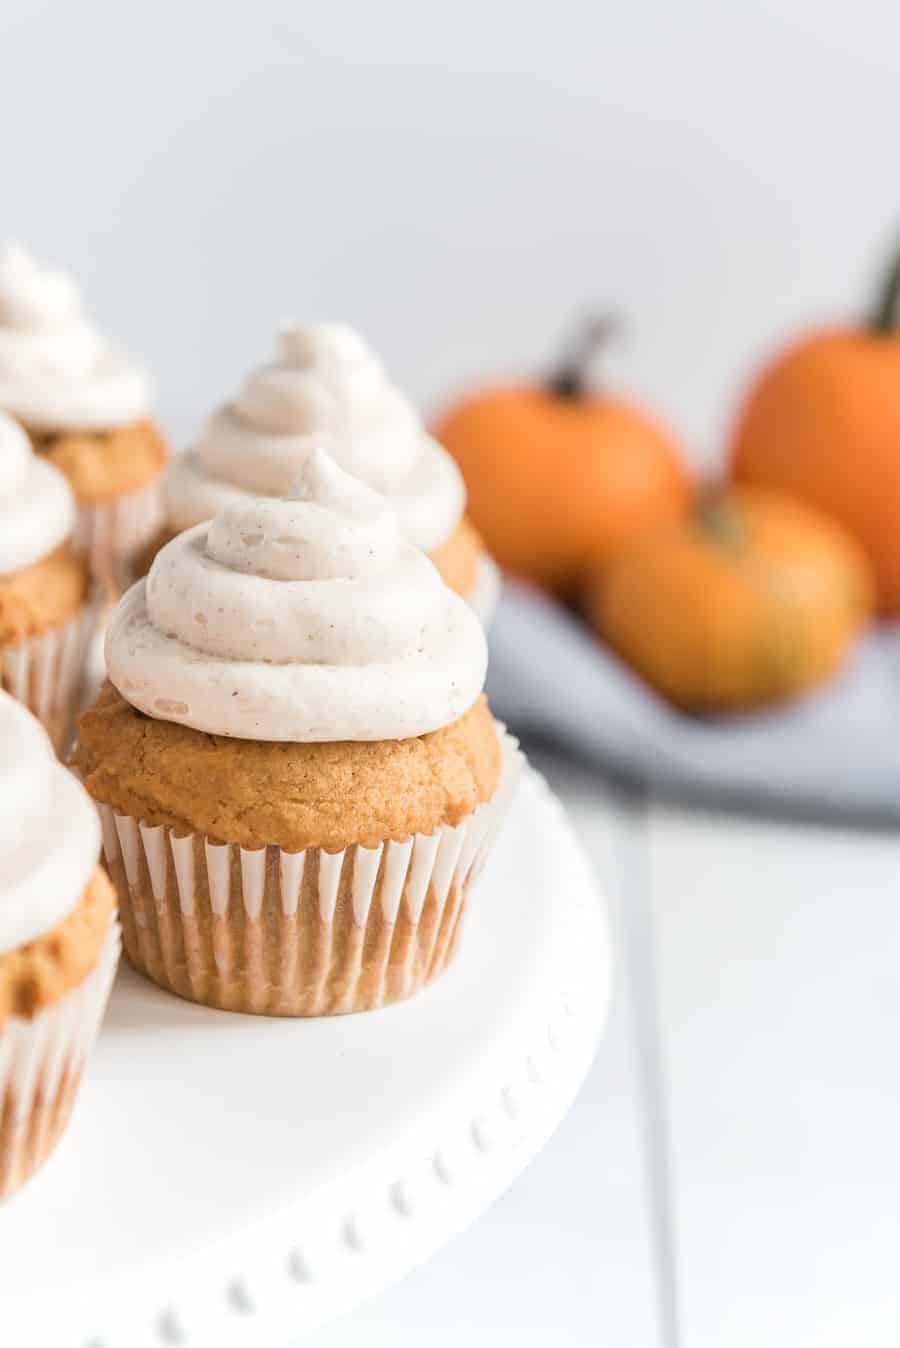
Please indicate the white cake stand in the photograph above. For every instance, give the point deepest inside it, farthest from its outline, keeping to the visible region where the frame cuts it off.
(233, 1180)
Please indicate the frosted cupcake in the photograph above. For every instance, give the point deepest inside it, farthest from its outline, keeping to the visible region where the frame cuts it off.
(58, 943)
(86, 406)
(298, 775)
(326, 388)
(48, 612)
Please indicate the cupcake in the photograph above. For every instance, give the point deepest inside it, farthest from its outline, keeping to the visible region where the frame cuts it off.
(86, 407)
(48, 610)
(326, 388)
(58, 943)
(297, 772)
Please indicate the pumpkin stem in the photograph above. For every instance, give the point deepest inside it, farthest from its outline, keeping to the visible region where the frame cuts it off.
(722, 520)
(570, 379)
(884, 316)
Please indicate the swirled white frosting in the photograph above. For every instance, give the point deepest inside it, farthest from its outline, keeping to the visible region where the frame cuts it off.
(49, 831)
(307, 618)
(56, 371)
(323, 388)
(37, 508)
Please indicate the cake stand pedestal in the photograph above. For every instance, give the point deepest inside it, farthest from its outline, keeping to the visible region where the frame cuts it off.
(235, 1180)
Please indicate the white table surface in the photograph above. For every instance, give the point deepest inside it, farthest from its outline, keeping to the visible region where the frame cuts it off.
(779, 951)
(565, 1257)
(773, 950)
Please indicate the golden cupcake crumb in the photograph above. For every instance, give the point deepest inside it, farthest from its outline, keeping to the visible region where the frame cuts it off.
(292, 795)
(43, 596)
(38, 974)
(102, 465)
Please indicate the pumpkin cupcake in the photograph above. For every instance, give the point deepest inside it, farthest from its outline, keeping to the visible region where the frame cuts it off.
(86, 406)
(59, 943)
(326, 388)
(48, 610)
(298, 775)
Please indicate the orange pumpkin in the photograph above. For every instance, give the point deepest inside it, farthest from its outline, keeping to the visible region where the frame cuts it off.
(753, 598)
(823, 421)
(559, 476)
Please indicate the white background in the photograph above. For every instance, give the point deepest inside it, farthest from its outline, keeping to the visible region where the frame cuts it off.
(460, 180)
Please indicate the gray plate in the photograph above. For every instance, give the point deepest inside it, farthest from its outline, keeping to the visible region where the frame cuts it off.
(836, 753)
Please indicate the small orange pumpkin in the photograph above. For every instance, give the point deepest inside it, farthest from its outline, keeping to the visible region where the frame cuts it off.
(559, 476)
(823, 422)
(753, 598)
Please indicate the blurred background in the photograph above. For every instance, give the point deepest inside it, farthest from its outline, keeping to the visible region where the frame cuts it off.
(460, 182)
(457, 180)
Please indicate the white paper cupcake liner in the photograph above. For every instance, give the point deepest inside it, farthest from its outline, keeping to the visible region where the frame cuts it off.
(111, 534)
(298, 933)
(41, 1060)
(46, 672)
(486, 591)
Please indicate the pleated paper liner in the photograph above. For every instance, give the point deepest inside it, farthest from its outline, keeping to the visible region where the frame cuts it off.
(46, 672)
(41, 1061)
(112, 533)
(298, 933)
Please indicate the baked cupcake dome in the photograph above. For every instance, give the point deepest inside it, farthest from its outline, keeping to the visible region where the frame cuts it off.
(47, 613)
(325, 388)
(58, 942)
(297, 769)
(85, 405)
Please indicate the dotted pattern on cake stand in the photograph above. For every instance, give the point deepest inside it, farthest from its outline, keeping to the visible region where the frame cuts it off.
(322, 1249)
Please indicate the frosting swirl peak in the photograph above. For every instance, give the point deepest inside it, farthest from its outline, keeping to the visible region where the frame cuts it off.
(37, 508)
(305, 618)
(324, 378)
(325, 388)
(56, 371)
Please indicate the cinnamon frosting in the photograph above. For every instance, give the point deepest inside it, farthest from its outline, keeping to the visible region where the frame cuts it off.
(305, 618)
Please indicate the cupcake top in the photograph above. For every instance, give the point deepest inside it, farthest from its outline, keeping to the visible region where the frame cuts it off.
(37, 508)
(307, 619)
(323, 388)
(56, 371)
(49, 831)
